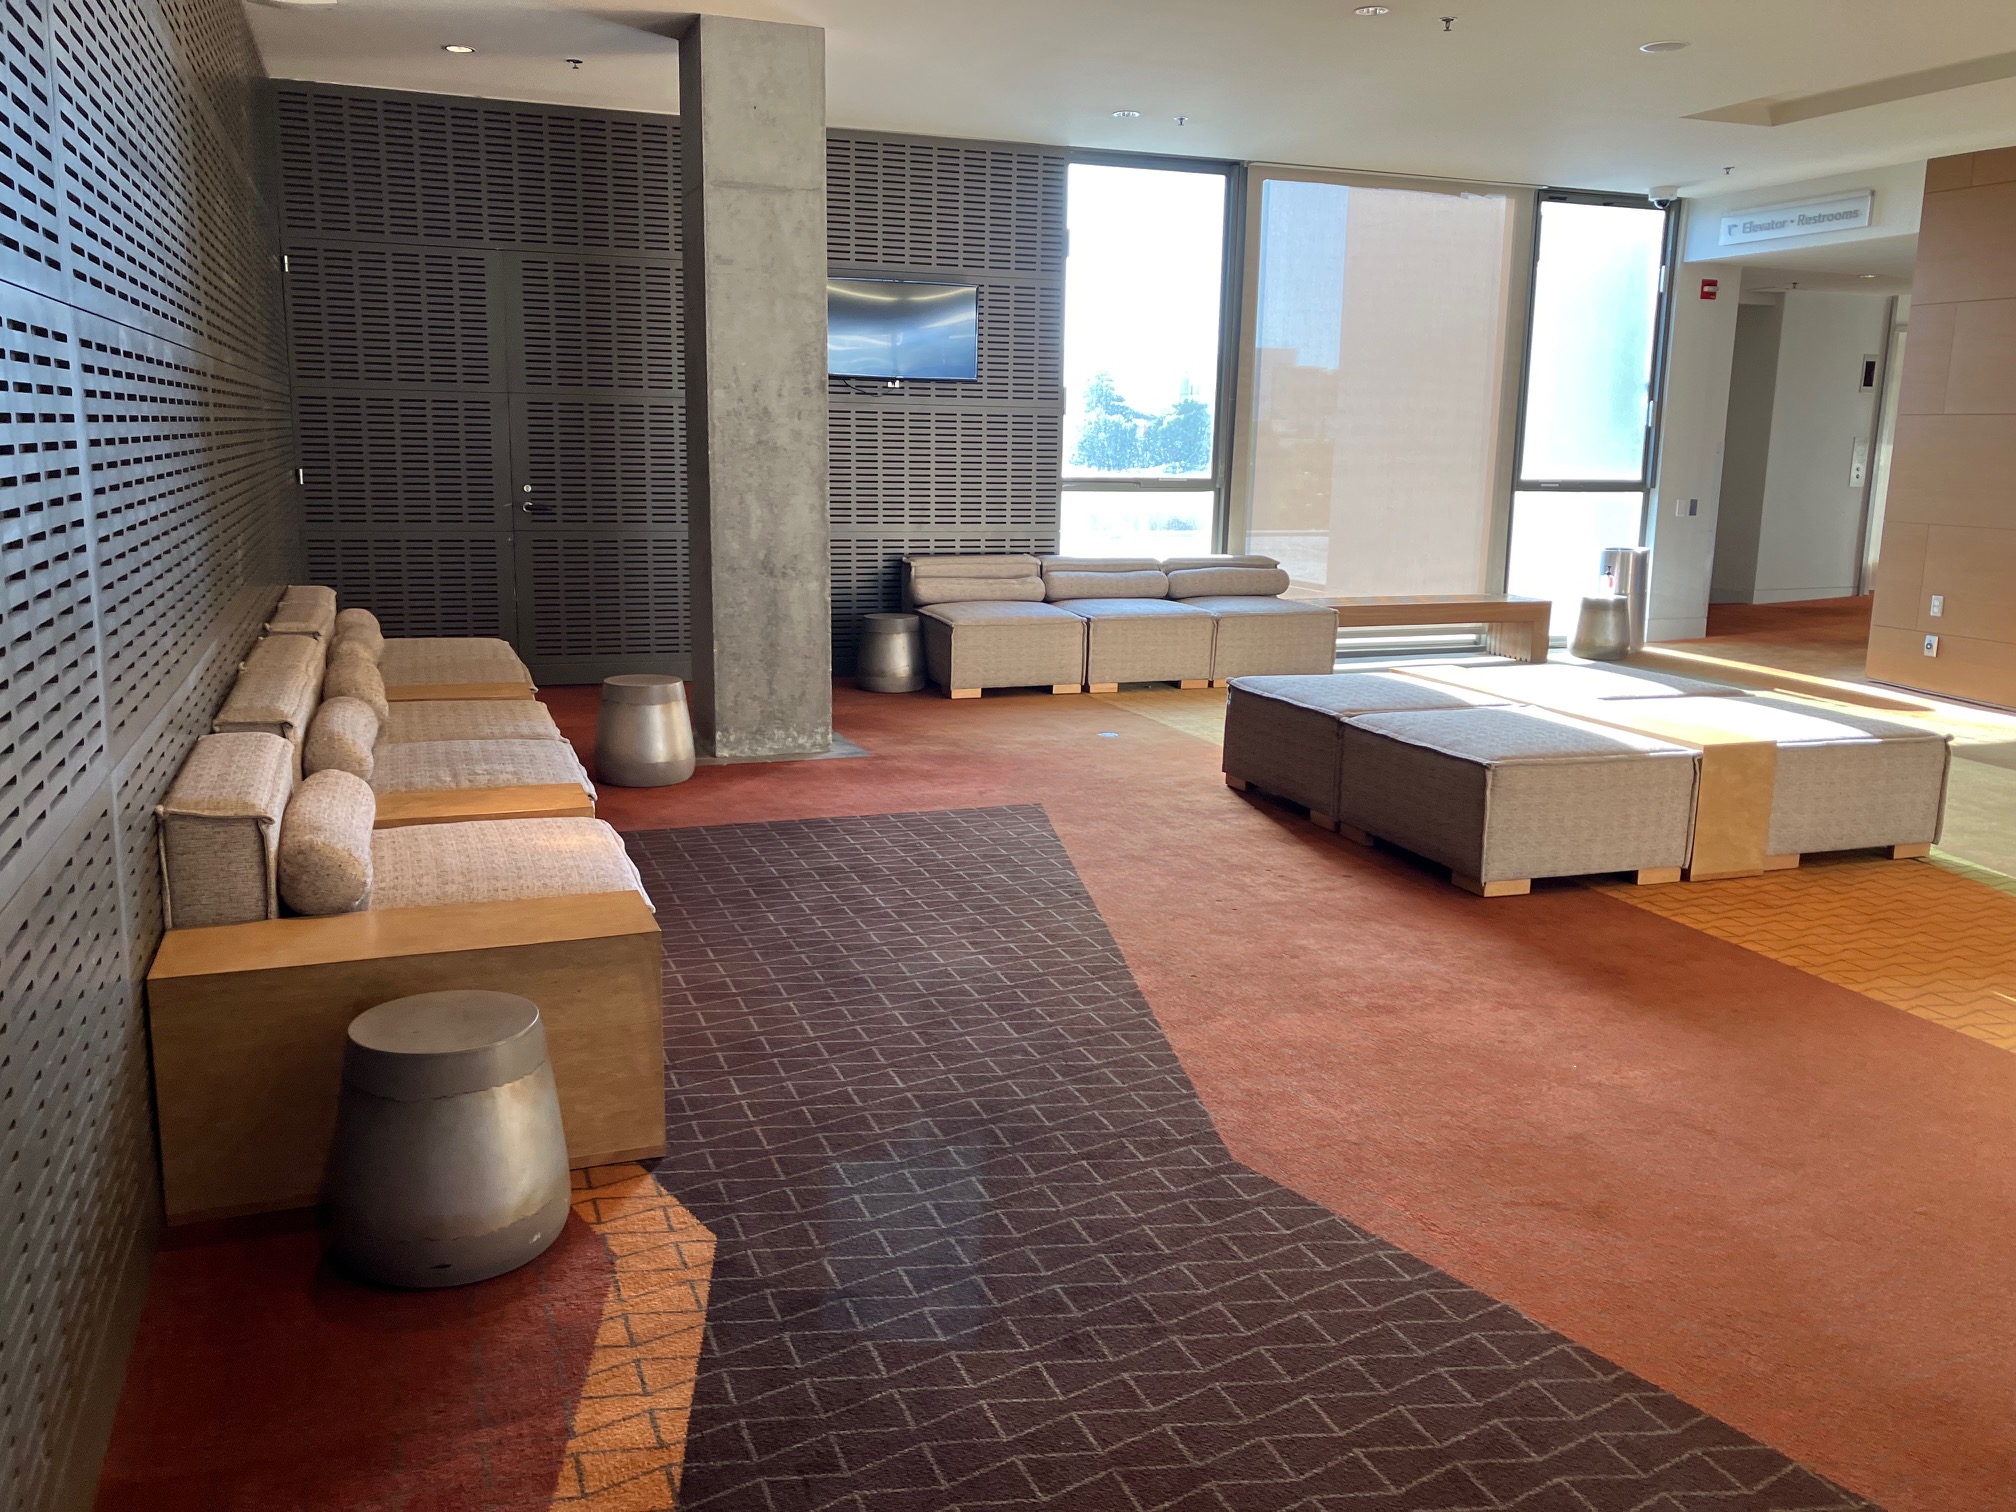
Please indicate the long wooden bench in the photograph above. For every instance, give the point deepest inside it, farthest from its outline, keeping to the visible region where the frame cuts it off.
(1513, 626)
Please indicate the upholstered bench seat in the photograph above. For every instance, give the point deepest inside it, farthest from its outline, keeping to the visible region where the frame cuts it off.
(1547, 683)
(1269, 635)
(421, 766)
(439, 664)
(432, 864)
(979, 644)
(1285, 734)
(1143, 640)
(1503, 795)
(467, 719)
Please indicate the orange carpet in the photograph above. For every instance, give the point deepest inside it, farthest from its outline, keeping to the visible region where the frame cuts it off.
(1778, 1198)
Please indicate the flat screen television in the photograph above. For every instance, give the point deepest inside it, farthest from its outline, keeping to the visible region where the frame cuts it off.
(880, 328)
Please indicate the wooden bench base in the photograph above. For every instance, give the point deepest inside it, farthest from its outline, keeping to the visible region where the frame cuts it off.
(435, 692)
(554, 800)
(1513, 626)
(247, 1025)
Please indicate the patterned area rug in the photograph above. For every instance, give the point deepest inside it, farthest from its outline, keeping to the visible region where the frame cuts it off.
(980, 1246)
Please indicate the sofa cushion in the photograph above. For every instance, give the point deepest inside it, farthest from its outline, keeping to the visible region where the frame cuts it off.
(955, 590)
(428, 660)
(1099, 564)
(468, 719)
(1205, 582)
(1147, 583)
(972, 566)
(276, 690)
(1543, 681)
(305, 609)
(432, 766)
(1200, 563)
(1130, 608)
(1247, 606)
(995, 612)
(341, 736)
(1498, 737)
(425, 865)
(220, 831)
(325, 844)
(1345, 693)
(357, 677)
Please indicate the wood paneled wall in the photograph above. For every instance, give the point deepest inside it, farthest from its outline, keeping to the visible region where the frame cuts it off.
(1950, 525)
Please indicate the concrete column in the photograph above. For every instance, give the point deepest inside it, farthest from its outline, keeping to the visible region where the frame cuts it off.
(753, 112)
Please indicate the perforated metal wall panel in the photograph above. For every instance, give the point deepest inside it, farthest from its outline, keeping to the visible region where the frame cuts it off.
(489, 361)
(147, 521)
(937, 465)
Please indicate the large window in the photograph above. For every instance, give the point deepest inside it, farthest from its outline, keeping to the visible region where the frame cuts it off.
(1586, 441)
(1377, 417)
(1143, 306)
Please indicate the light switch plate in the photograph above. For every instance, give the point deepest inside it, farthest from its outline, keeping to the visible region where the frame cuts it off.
(1931, 645)
(1938, 605)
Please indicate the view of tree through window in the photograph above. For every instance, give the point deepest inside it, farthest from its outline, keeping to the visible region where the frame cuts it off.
(1141, 339)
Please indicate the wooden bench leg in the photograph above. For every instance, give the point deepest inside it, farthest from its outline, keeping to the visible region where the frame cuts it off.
(963, 692)
(1781, 863)
(1654, 876)
(1238, 784)
(1322, 820)
(1193, 682)
(1505, 889)
(1907, 852)
(1352, 833)
(1221, 682)
(1102, 687)
(1066, 688)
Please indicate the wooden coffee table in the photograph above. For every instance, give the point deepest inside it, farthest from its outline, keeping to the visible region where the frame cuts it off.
(1513, 626)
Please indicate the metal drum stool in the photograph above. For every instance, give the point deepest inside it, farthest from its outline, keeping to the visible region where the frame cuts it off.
(892, 654)
(1603, 630)
(450, 1165)
(644, 734)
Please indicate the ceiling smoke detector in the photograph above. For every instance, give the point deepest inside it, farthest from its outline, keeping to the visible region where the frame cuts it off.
(1126, 115)
(1659, 47)
(1373, 10)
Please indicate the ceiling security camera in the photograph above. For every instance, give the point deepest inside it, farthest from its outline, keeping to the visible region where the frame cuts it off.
(1664, 196)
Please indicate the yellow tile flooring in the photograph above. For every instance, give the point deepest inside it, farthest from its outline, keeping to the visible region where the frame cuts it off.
(1936, 938)
(629, 1429)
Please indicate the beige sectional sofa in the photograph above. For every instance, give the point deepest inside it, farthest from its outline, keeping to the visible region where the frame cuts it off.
(1080, 622)
(290, 911)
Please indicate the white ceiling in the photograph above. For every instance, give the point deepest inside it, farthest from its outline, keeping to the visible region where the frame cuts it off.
(1532, 91)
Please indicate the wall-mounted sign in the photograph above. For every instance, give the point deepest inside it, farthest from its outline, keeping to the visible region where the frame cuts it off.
(1839, 212)
(1711, 288)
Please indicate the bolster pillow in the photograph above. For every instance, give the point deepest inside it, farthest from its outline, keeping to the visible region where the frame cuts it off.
(1105, 585)
(1227, 582)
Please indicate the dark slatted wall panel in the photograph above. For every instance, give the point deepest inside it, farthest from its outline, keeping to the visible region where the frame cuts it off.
(934, 466)
(147, 520)
(488, 331)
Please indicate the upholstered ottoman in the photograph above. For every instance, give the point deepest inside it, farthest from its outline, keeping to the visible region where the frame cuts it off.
(1258, 631)
(986, 626)
(1133, 632)
(1284, 735)
(1847, 781)
(1503, 795)
(1557, 684)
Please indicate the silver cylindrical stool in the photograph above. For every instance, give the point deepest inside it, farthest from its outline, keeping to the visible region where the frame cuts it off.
(1629, 571)
(1603, 630)
(892, 654)
(450, 1165)
(644, 734)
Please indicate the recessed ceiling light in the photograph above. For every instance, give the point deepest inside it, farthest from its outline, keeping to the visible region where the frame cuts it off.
(1656, 47)
(1373, 10)
(1868, 275)
(457, 47)
(1126, 115)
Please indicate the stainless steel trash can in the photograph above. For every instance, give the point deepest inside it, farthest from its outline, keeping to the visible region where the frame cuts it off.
(450, 1165)
(1628, 569)
(1603, 630)
(892, 654)
(644, 733)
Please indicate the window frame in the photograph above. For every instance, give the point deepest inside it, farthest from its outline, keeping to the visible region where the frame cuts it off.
(1230, 284)
(1662, 320)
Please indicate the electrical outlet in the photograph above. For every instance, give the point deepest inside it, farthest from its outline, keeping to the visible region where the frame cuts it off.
(1931, 645)
(1938, 605)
